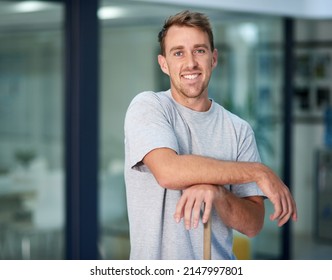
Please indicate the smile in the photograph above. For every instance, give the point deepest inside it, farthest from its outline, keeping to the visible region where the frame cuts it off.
(191, 77)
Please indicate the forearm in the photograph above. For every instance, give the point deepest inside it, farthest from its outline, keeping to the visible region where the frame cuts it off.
(245, 215)
(174, 171)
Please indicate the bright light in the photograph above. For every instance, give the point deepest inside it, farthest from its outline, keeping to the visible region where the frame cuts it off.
(249, 33)
(30, 6)
(110, 12)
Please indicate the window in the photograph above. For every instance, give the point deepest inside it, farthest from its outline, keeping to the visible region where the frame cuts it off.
(31, 131)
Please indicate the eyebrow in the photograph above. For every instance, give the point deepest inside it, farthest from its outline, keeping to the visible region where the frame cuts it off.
(196, 46)
(176, 48)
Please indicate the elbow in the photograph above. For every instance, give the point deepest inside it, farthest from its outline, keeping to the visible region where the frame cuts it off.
(254, 230)
(163, 164)
(166, 181)
(252, 233)
(163, 182)
(170, 181)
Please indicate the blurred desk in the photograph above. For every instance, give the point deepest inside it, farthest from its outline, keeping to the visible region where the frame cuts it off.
(31, 216)
(15, 199)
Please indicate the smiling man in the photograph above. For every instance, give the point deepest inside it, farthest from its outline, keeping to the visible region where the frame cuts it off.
(183, 151)
(189, 66)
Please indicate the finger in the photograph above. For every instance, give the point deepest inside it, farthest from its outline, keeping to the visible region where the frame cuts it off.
(286, 210)
(277, 204)
(291, 210)
(179, 208)
(294, 214)
(187, 213)
(196, 211)
(284, 220)
(280, 207)
(207, 212)
(284, 202)
(286, 213)
(293, 207)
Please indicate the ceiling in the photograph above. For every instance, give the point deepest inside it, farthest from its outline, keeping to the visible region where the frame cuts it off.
(309, 9)
(23, 14)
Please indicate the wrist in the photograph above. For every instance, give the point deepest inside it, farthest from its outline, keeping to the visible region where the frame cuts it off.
(260, 173)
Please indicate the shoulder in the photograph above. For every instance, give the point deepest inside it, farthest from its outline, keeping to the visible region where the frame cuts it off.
(148, 104)
(148, 97)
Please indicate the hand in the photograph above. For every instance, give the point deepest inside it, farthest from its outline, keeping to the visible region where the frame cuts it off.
(280, 197)
(191, 201)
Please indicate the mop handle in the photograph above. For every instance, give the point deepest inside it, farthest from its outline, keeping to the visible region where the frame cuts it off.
(207, 240)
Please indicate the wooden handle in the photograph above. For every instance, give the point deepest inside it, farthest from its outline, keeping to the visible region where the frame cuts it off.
(207, 240)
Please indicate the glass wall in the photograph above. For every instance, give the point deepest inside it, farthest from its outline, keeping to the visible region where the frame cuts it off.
(247, 81)
(31, 130)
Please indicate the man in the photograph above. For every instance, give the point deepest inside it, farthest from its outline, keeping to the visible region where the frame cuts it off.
(184, 151)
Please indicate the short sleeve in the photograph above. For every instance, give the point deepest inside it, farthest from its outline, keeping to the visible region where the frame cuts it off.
(147, 127)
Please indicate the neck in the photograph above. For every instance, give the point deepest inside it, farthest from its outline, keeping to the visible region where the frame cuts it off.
(199, 104)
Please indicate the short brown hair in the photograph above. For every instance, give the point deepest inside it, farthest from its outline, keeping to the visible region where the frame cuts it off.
(189, 19)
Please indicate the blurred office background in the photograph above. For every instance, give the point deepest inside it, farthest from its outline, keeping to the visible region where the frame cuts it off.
(68, 70)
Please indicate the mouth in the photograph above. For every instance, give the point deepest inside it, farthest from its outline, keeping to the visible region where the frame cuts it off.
(190, 76)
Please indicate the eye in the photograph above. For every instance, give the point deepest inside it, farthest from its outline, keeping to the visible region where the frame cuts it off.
(178, 53)
(200, 51)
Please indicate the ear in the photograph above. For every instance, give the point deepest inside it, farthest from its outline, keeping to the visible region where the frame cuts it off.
(214, 58)
(163, 64)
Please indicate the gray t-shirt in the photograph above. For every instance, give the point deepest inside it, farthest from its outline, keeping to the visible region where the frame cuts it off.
(155, 120)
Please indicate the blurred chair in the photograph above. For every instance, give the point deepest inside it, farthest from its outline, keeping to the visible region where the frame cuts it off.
(242, 247)
(42, 237)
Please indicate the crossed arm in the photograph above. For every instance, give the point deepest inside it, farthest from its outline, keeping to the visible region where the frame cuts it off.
(202, 178)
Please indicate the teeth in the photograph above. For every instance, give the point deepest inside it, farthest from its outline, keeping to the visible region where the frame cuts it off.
(191, 77)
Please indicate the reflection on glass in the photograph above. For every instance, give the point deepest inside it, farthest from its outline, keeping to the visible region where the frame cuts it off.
(31, 145)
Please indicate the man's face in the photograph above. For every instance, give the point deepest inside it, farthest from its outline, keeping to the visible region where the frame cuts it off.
(189, 62)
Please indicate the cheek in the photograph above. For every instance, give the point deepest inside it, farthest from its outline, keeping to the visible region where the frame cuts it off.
(173, 70)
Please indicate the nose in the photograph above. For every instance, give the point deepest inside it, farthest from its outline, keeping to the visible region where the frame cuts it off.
(191, 61)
